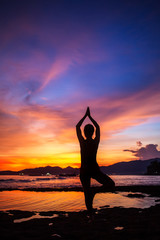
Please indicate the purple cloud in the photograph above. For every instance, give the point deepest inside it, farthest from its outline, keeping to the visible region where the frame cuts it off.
(148, 152)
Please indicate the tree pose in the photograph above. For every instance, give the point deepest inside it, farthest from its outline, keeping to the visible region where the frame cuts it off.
(89, 166)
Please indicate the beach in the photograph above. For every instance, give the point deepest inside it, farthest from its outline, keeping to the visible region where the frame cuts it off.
(109, 222)
(79, 120)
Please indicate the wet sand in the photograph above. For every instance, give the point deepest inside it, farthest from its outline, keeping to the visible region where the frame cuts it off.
(110, 223)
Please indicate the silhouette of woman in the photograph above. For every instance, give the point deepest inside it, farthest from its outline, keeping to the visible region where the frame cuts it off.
(89, 166)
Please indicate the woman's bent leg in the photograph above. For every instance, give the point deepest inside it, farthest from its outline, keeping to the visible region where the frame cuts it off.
(106, 181)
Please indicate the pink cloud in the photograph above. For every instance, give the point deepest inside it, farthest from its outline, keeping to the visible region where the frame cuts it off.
(113, 114)
(78, 47)
(34, 125)
(60, 65)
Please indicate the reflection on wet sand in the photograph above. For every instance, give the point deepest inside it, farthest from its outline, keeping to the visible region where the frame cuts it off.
(37, 215)
(68, 201)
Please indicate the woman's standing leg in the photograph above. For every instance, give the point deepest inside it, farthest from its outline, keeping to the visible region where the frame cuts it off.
(86, 181)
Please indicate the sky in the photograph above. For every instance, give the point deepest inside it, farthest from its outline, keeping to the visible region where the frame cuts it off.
(58, 57)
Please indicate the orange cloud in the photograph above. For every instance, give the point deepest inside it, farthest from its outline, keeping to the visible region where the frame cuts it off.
(44, 134)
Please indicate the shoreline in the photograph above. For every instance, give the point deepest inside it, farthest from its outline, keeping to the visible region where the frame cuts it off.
(153, 190)
(113, 223)
(110, 223)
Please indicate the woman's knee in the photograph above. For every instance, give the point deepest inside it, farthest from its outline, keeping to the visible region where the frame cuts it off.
(110, 181)
(109, 185)
(104, 179)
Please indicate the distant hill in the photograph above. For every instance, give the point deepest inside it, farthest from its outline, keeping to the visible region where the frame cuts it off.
(137, 167)
(43, 171)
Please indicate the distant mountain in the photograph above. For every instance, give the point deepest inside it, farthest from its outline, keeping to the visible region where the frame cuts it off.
(137, 167)
(8, 173)
(44, 171)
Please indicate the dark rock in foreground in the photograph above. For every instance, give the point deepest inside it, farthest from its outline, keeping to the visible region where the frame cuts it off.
(110, 223)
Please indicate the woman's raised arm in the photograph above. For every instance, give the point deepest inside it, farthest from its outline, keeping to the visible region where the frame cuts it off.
(78, 130)
(95, 124)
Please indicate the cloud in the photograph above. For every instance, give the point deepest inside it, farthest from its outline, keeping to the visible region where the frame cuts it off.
(32, 54)
(30, 67)
(148, 152)
(60, 66)
(123, 111)
(15, 134)
(35, 124)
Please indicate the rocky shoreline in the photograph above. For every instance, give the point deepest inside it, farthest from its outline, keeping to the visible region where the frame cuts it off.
(110, 223)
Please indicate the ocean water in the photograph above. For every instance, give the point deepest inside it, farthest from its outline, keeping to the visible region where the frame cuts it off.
(22, 182)
(68, 201)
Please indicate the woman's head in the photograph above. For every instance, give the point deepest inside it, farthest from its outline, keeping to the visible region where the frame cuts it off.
(88, 130)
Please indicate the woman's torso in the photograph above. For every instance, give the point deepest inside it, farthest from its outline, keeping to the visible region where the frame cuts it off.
(88, 155)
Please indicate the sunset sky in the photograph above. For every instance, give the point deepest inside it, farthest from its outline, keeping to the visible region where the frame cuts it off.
(56, 58)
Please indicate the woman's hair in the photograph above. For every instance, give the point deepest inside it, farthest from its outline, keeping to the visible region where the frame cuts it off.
(88, 130)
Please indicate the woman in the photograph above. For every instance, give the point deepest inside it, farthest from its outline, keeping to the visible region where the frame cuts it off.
(89, 166)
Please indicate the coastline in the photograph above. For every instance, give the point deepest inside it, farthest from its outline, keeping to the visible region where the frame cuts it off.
(110, 223)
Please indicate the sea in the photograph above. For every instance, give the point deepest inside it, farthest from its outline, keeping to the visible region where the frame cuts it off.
(23, 198)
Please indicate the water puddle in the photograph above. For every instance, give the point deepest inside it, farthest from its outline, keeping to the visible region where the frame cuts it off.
(36, 216)
(71, 201)
(118, 228)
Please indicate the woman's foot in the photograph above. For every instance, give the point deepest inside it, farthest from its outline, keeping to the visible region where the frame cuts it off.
(91, 218)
